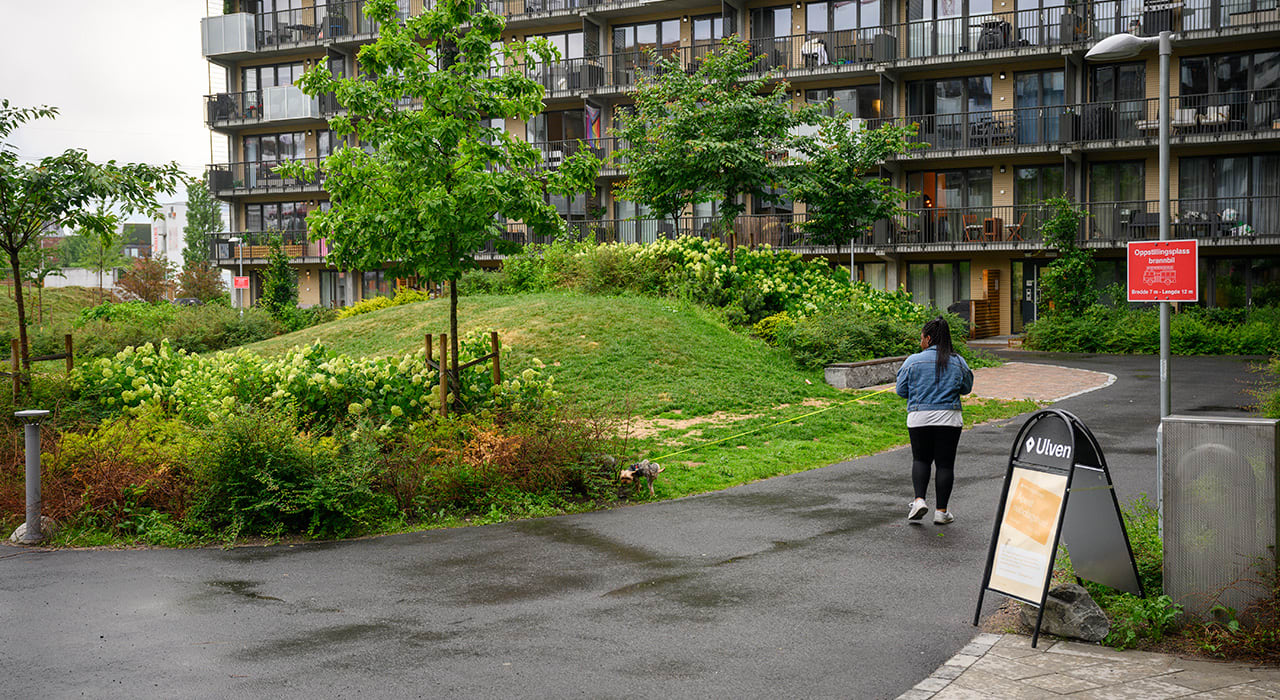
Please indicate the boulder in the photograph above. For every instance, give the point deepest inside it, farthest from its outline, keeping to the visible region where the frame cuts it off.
(47, 528)
(1070, 612)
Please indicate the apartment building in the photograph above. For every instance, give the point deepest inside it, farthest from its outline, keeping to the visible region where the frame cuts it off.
(1003, 97)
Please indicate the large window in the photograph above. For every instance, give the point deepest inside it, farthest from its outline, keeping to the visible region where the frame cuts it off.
(258, 77)
(632, 42)
(949, 202)
(1226, 81)
(1117, 194)
(1035, 94)
(938, 284)
(770, 29)
(1231, 195)
(938, 27)
(569, 44)
(1237, 282)
(861, 101)
(276, 216)
(565, 125)
(950, 111)
(264, 152)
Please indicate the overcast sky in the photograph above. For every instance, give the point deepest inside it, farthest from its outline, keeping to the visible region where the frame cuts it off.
(126, 76)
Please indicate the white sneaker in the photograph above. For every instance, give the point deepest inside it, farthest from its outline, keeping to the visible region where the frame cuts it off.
(942, 517)
(916, 509)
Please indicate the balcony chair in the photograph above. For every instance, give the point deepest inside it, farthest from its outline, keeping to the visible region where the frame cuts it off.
(972, 229)
(1218, 116)
(1014, 231)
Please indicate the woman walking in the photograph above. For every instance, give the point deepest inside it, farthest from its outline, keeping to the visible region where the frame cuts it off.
(932, 382)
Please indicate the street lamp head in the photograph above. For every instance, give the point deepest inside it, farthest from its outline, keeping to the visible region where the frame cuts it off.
(1118, 47)
(233, 239)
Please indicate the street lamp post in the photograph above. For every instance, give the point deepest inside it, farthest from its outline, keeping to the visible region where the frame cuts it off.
(240, 261)
(1119, 47)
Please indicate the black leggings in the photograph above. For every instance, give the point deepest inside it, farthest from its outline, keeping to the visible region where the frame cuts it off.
(936, 445)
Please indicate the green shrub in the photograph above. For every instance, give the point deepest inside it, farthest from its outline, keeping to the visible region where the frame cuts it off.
(1268, 392)
(483, 282)
(404, 295)
(1192, 331)
(261, 476)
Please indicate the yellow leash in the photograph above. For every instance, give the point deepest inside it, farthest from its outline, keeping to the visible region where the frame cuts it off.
(781, 422)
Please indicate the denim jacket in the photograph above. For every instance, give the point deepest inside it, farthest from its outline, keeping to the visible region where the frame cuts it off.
(924, 390)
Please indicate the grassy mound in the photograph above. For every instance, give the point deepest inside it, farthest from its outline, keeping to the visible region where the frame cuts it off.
(632, 355)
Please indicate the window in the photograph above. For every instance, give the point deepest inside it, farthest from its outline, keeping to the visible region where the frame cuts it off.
(639, 38)
(862, 101)
(262, 153)
(1121, 81)
(841, 15)
(566, 125)
(874, 274)
(326, 143)
(280, 216)
(1230, 192)
(1032, 92)
(950, 110)
(708, 29)
(377, 283)
(1225, 81)
(941, 27)
(1031, 187)
(1117, 193)
(955, 199)
(259, 77)
(938, 284)
(569, 44)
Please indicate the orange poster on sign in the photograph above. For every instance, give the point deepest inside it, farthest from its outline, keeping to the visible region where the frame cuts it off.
(1033, 511)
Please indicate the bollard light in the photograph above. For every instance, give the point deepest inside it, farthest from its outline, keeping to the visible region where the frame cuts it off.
(32, 418)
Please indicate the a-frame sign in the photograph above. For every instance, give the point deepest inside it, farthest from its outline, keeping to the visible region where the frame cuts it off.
(1057, 489)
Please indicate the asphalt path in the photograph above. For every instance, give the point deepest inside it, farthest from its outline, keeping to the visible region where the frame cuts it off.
(808, 585)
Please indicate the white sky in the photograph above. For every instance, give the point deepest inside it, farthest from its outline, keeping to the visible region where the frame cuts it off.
(126, 75)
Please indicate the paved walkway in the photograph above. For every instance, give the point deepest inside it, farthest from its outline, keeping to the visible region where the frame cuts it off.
(1005, 666)
(809, 585)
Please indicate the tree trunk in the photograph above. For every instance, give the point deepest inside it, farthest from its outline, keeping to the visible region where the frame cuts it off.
(22, 313)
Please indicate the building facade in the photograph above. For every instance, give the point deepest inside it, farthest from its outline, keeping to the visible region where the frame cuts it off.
(1011, 113)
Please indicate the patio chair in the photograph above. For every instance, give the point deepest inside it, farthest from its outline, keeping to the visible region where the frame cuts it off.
(1215, 116)
(1183, 118)
(972, 229)
(1014, 231)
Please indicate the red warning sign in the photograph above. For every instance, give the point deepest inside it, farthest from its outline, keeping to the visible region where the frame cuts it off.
(240, 282)
(1164, 271)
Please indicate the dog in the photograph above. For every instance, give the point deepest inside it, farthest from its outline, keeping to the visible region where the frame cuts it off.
(645, 468)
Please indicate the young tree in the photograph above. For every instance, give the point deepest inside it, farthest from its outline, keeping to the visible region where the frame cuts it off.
(56, 192)
(1068, 283)
(148, 278)
(837, 179)
(711, 134)
(105, 245)
(204, 216)
(202, 281)
(436, 183)
(279, 283)
(40, 262)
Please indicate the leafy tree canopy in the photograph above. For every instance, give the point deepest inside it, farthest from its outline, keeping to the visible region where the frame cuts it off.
(838, 178)
(58, 190)
(434, 184)
(204, 216)
(712, 134)
(1068, 283)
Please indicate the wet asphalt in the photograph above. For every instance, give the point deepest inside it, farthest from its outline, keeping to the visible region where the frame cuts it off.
(809, 585)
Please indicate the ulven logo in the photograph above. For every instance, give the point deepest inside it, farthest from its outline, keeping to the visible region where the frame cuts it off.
(1047, 448)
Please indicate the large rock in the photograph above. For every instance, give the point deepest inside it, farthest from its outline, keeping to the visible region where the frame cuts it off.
(47, 528)
(1070, 612)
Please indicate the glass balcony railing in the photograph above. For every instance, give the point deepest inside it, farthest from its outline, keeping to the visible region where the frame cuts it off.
(259, 176)
(266, 105)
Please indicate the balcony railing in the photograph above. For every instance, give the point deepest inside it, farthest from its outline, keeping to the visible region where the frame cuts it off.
(1250, 114)
(256, 245)
(249, 177)
(278, 103)
(554, 153)
(1218, 219)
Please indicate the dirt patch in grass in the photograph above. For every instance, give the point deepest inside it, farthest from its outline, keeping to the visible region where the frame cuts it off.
(643, 428)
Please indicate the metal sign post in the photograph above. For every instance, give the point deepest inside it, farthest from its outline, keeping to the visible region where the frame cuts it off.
(1057, 490)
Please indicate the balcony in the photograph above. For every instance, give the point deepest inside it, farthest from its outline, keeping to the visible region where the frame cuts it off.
(259, 177)
(554, 153)
(242, 34)
(254, 247)
(274, 104)
(1211, 220)
(228, 36)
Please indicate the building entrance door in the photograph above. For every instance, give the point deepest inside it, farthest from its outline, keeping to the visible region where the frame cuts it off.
(1026, 296)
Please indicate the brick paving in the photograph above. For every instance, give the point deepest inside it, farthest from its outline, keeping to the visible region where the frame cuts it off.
(1005, 666)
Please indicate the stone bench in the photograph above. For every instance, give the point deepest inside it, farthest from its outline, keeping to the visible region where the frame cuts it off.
(856, 375)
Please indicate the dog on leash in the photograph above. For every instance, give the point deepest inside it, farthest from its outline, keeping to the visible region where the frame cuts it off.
(643, 468)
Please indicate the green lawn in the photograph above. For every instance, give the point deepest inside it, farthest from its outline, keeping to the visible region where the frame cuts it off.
(62, 307)
(654, 358)
(625, 355)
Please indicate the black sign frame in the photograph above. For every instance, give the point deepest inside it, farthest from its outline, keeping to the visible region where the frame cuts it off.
(1032, 450)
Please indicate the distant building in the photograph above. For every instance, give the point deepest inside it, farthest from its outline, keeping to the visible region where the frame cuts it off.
(167, 238)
